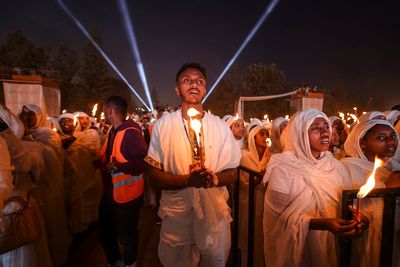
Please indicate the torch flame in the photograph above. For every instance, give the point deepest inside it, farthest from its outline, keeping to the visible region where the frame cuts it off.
(341, 115)
(370, 184)
(94, 110)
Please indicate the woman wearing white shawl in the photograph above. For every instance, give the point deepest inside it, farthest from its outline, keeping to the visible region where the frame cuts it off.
(236, 125)
(45, 145)
(277, 128)
(255, 158)
(29, 167)
(303, 195)
(366, 251)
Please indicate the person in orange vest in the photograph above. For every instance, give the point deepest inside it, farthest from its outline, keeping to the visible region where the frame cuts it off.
(122, 169)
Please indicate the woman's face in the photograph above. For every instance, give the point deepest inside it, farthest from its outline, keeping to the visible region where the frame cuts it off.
(380, 140)
(319, 135)
(28, 118)
(238, 129)
(261, 138)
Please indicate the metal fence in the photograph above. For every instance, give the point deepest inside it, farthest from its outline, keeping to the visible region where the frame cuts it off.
(254, 179)
(389, 196)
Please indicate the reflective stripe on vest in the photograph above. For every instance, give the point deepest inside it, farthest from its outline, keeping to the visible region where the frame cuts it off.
(125, 186)
(125, 182)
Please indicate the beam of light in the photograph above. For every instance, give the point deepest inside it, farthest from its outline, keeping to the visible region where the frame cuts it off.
(135, 49)
(264, 16)
(86, 33)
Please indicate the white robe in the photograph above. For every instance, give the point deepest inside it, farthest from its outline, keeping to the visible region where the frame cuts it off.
(300, 188)
(170, 147)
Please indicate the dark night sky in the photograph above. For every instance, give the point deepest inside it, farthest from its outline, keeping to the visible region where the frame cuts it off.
(323, 43)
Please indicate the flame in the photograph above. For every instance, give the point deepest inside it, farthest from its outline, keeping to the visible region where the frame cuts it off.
(94, 110)
(192, 112)
(364, 112)
(209, 111)
(266, 117)
(102, 116)
(64, 111)
(287, 117)
(268, 141)
(355, 118)
(55, 129)
(355, 108)
(127, 117)
(370, 184)
(341, 115)
(236, 117)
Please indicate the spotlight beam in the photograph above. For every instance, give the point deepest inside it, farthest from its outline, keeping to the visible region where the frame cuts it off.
(261, 20)
(135, 49)
(86, 33)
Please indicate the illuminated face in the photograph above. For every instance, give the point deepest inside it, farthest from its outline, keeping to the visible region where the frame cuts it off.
(319, 135)
(261, 137)
(28, 118)
(380, 140)
(338, 132)
(237, 128)
(191, 86)
(84, 122)
(67, 125)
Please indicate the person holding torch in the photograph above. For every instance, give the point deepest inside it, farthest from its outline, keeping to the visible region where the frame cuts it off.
(192, 157)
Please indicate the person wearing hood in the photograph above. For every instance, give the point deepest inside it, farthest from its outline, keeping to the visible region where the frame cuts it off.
(45, 144)
(372, 115)
(370, 139)
(28, 165)
(302, 202)
(338, 137)
(236, 125)
(255, 157)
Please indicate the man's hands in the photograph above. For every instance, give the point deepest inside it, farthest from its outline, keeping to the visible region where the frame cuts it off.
(111, 167)
(201, 177)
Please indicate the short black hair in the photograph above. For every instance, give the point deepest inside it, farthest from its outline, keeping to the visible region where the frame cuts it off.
(192, 65)
(118, 103)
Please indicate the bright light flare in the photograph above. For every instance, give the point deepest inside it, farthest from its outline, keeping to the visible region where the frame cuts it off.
(268, 141)
(192, 112)
(260, 21)
(123, 8)
(86, 33)
(370, 184)
(94, 110)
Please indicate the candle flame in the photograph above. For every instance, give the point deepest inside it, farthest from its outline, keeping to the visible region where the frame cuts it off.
(94, 110)
(192, 112)
(55, 129)
(364, 112)
(236, 117)
(196, 126)
(268, 141)
(287, 117)
(341, 115)
(355, 108)
(354, 117)
(102, 116)
(370, 184)
(64, 111)
(209, 111)
(266, 117)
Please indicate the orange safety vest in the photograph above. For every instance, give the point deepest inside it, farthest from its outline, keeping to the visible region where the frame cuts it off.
(125, 186)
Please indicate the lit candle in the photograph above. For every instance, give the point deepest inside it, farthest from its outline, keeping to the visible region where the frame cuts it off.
(195, 124)
(368, 186)
(94, 110)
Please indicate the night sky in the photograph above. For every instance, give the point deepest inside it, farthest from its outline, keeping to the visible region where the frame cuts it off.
(323, 43)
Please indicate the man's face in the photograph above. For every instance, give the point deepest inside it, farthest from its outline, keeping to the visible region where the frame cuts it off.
(191, 86)
(67, 125)
(84, 122)
(28, 118)
(107, 114)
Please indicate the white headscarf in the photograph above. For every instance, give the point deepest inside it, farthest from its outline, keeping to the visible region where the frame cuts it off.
(250, 158)
(370, 116)
(332, 119)
(392, 116)
(13, 122)
(254, 122)
(80, 114)
(41, 118)
(276, 135)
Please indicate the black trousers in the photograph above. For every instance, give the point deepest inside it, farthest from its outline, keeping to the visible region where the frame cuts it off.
(119, 222)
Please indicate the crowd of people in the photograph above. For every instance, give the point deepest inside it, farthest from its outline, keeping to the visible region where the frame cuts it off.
(77, 173)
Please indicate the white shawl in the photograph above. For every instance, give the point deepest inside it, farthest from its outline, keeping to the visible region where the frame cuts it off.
(370, 116)
(392, 116)
(170, 147)
(300, 188)
(250, 157)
